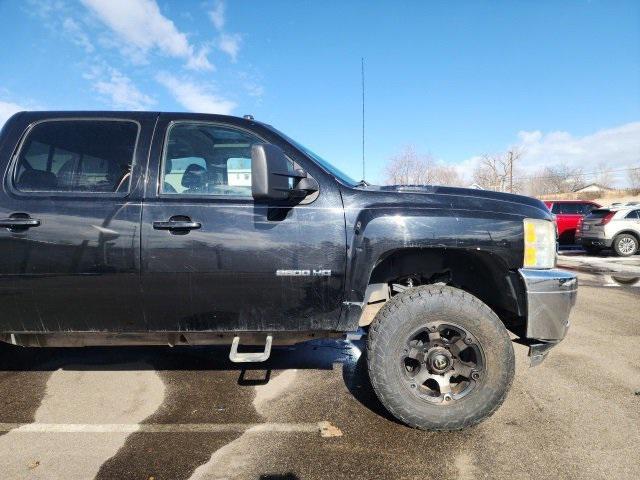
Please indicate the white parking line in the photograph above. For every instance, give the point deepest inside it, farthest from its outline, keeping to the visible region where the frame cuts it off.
(323, 428)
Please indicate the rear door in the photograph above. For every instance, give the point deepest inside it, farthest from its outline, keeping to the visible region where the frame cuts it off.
(568, 214)
(70, 212)
(213, 260)
(632, 221)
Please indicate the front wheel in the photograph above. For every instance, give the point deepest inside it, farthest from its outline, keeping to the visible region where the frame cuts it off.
(625, 245)
(439, 358)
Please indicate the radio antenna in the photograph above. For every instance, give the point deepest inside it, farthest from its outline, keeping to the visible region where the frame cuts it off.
(362, 71)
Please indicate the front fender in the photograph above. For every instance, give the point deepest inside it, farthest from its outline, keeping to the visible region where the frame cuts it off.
(377, 231)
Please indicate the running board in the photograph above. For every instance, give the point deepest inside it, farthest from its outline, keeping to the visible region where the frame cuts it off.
(236, 357)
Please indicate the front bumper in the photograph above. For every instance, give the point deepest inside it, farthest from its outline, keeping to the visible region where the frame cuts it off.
(551, 294)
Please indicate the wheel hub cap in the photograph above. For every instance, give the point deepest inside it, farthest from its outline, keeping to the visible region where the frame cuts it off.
(439, 360)
(627, 245)
(442, 363)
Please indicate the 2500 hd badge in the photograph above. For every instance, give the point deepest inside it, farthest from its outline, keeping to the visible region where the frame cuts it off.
(303, 273)
(141, 228)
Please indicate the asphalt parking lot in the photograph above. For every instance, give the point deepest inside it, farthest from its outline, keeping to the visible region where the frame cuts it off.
(604, 262)
(309, 413)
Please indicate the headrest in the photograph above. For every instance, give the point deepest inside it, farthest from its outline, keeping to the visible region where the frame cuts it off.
(194, 176)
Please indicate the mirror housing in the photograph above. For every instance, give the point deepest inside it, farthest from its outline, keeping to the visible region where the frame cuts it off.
(272, 177)
(306, 186)
(269, 172)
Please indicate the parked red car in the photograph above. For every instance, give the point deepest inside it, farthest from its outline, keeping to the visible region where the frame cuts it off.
(568, 213)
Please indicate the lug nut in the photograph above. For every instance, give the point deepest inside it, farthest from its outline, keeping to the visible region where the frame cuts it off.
(447, 397)
(475, 375)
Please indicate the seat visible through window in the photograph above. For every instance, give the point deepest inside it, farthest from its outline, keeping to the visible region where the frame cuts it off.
(77, 156)
(206, 159)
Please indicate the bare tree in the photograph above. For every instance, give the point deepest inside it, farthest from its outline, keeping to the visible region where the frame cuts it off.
(408, 168)
(446, 175)
(574, 177)
(555, 179)
(496, 172)
(412, 168)
(634, 180)
(603, 175)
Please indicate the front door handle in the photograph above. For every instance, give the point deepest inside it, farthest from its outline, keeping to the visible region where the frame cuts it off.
(177, 223)
(19, 222)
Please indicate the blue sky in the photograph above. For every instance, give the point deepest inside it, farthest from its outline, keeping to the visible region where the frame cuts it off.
(457, 80)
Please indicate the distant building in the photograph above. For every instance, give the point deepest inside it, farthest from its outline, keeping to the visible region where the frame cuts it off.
(594, 187)
(239, 177)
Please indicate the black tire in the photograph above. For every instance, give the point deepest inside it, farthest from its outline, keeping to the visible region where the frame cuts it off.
(592, 250)
(625, 245)
(625, 280)
(442, 306)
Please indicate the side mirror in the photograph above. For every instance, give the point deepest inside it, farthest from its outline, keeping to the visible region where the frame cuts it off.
(305, 186)
(269, 173)
(272, 177)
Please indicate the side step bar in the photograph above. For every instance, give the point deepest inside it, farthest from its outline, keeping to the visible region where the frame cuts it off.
(236, 357)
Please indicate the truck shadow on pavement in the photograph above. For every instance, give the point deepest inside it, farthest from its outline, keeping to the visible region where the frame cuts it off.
(311, 355)
(201, 386)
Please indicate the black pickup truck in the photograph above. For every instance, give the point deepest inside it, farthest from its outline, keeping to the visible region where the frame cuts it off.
(130, 228)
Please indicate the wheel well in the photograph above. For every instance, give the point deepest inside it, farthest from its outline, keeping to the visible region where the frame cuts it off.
(628, 232)
(480, 273)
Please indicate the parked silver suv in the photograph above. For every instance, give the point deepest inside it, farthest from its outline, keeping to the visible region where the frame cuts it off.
(616, 226)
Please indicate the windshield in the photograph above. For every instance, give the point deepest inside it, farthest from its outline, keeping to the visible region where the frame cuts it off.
(339, 174)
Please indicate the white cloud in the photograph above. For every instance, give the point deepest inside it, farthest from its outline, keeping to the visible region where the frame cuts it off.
(61, 19)
(142, 27)
(193, 96)
(77, 34)
(44, 8)
(217, 15)
(7, 109)
(118, 89)
(229, 43)
(615, 148)
(250, 80)
(199, 61)
(253, 89)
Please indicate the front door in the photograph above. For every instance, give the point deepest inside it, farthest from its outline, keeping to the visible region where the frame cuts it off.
(213, 260)
(70, 210)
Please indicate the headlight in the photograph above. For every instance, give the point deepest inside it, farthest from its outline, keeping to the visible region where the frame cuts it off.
(539, 244)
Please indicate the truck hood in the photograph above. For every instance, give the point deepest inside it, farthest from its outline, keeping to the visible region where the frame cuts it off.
(458, 191)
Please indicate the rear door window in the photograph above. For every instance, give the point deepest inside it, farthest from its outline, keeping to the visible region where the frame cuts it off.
(598, 213)
(77, 156)
(560, 208)
(586, 208)
(633, 215)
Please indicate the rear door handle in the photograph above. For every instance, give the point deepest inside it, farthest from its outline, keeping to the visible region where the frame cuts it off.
(177, 223)
(19, 221)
